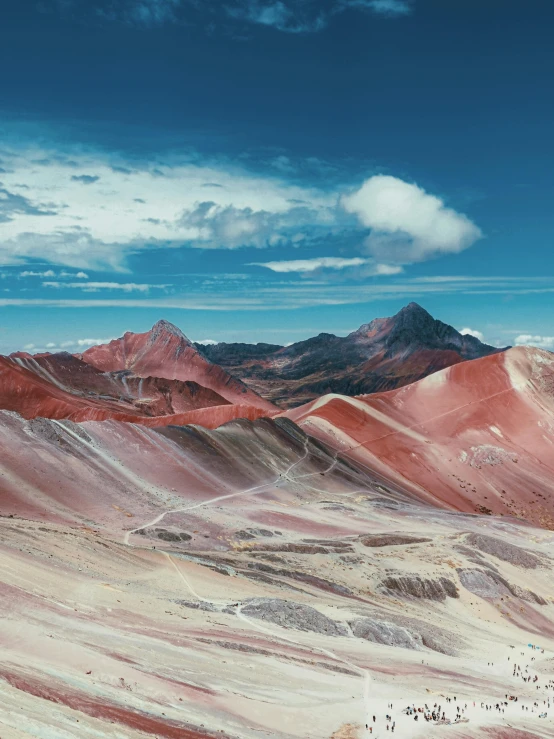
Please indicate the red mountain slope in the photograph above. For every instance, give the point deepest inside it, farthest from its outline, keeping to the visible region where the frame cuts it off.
(478, 436)
(62, 386)
(166, 352)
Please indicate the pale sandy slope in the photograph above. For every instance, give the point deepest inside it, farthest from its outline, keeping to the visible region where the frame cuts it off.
(276, 617)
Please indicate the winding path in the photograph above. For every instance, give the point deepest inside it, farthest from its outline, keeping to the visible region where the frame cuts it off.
(238, 607)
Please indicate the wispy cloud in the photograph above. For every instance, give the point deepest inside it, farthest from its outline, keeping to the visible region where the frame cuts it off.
(391, 8)
(126, 287)
(286, 295)
(297, 16)
(51, 273)
(14, 204)
(333, 263)
(287, 16)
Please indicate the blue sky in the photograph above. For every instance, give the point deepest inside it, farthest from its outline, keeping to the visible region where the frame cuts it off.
(264, 170)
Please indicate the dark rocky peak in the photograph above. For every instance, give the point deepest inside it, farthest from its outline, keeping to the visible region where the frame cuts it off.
(413, 314)
(413, 325)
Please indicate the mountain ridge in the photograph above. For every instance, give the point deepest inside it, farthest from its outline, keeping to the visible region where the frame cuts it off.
(383, 354)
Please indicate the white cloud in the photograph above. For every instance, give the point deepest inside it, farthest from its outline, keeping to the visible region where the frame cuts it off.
(51, 273)
(30, 273)
(543, 342)
(472, 332)
(95, 286)
(387, 269)
(281, 294)
(93, 342)
(230, 227)
(207, 342)
(72, 344)
(310, 265)
(132, 208)
(334, 263)
(407, 224)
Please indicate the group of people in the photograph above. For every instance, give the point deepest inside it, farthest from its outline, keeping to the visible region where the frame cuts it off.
(438, 715)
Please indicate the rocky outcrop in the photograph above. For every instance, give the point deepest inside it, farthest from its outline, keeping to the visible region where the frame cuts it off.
(414, 586)
(291, 615)
(385, 632)
(490, 584)
(503, 550)
(483, 584)
(391, 540)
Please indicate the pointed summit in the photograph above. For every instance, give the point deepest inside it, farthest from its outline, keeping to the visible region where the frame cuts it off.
(165, 352)
(413, 309)
(163, 327)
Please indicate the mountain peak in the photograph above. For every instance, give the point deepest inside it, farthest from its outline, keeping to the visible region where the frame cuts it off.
(413, 309)
(163, 327)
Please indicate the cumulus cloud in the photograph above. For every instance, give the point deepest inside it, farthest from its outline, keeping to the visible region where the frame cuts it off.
(230, 227)
(407, 224)
(472, 332)
(207, 342)
(543, 342)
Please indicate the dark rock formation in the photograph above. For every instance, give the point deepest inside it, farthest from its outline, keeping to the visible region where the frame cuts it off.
(503, 550)
(414, 586)
(390, 540)
(293, 615)
(385, 632)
